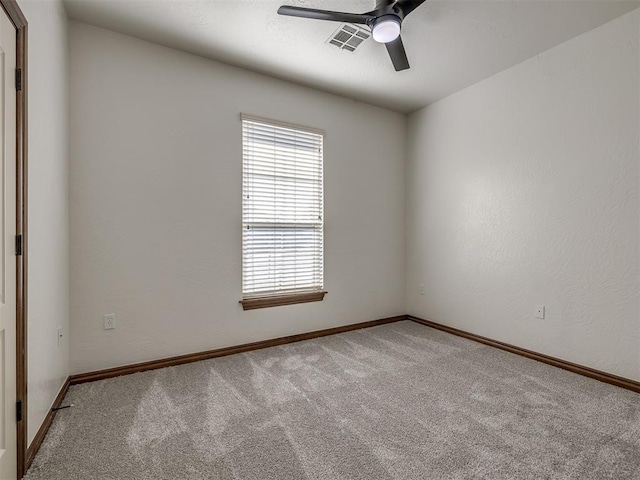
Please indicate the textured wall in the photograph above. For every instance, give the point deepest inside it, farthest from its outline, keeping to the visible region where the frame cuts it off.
(48, 263)
(155, 203)
(523, 190)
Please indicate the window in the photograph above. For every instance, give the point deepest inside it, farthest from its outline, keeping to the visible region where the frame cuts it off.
(282, 214)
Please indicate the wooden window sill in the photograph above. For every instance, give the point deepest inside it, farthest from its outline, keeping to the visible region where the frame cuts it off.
(279, 300)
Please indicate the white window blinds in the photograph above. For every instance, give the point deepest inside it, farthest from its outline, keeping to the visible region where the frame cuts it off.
(282, 209)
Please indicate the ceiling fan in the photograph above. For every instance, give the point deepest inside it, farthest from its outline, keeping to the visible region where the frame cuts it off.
(385, 23)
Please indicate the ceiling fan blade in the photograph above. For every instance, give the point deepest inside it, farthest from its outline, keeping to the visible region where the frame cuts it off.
(408, 6)
(397, 54)
(323, 14)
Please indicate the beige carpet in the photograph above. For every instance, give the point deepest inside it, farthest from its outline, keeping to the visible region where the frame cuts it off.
(399, 401)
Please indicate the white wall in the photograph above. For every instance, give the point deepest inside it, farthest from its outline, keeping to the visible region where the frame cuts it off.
(523, 190)
(155, 202)
(48, 228)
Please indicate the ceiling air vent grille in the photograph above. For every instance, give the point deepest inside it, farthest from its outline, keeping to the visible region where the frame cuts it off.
(348, 37)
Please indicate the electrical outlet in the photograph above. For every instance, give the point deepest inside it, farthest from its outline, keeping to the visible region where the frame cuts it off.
(109, 321)
(59, 335)
(422, 289)
(539, 311)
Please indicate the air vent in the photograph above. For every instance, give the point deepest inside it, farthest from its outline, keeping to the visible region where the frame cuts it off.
(348, 37)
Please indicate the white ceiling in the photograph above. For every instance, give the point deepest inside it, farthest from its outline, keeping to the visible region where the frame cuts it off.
(450, 44)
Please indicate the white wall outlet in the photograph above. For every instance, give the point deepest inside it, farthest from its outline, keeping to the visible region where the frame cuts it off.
(422, 289)
(109, 321)
(59, 335)
(539, 311)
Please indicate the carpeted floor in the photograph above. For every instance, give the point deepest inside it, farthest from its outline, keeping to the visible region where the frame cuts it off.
(399, 401)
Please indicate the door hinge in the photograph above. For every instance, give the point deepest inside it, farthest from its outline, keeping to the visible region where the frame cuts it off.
(19, 244)
(18, 79)
(19, 411)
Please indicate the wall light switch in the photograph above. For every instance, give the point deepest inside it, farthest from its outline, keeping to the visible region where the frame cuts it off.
(422, 290)
(109, 321)
(539, 311)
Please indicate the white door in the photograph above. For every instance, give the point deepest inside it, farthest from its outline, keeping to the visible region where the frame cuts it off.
(8, 443)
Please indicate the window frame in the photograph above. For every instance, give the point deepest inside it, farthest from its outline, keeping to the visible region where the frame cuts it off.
(285, 296)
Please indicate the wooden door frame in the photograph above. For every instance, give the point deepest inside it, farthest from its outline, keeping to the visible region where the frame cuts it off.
(19, 21)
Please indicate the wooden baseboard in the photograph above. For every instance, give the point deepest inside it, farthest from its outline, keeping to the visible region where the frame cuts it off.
(46, 424)
(556, 362)
(247, 347)
(222, 352)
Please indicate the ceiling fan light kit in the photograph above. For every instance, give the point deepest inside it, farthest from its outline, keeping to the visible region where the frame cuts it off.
(385, 23)
(385, 29)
